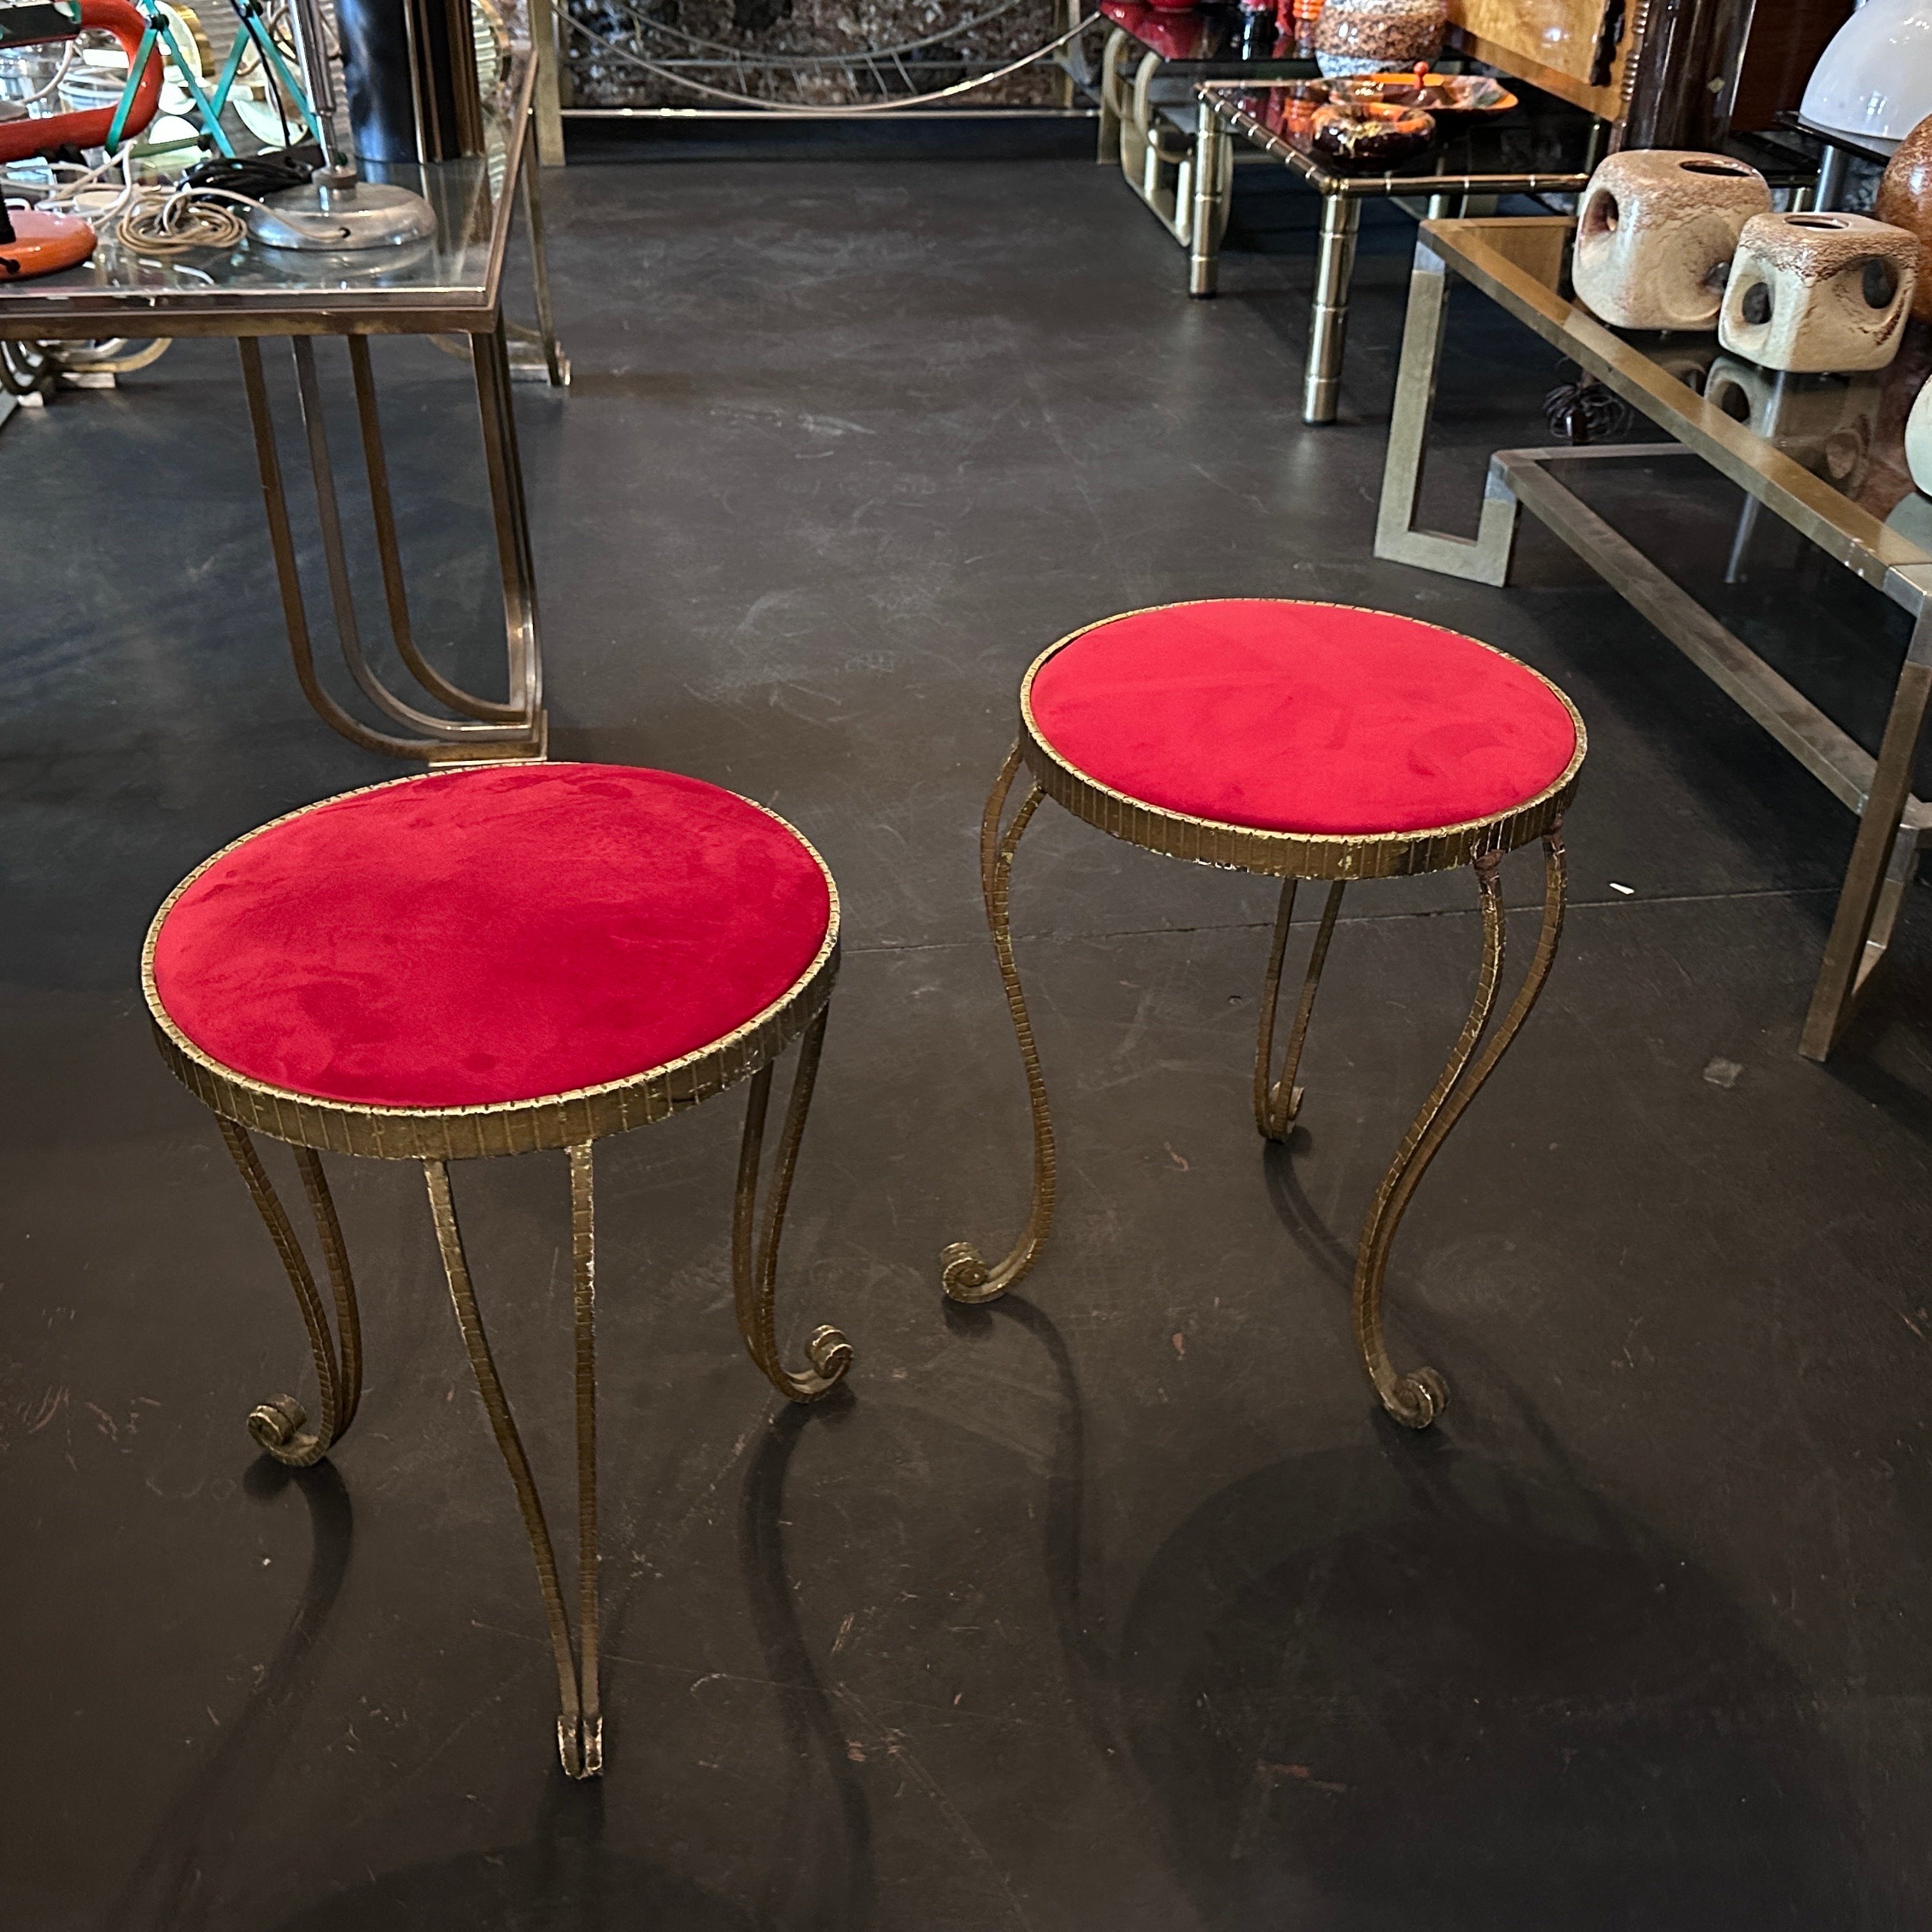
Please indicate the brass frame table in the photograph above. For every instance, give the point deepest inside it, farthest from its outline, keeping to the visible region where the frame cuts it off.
(1518, 264)
(1222, 117)
(449, 287)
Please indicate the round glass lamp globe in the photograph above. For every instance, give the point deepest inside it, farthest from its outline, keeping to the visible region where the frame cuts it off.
(1874, 81)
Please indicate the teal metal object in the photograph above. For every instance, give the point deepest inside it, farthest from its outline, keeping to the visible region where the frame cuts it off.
(209, 108)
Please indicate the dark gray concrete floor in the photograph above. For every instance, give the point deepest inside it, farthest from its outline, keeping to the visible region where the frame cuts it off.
(1117, 1605)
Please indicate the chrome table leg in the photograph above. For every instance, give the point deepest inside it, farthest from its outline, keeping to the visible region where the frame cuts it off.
(1328, 319)
(1214, 153)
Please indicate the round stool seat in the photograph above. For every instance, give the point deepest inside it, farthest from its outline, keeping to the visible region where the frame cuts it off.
(1316, 720)
(479, 938)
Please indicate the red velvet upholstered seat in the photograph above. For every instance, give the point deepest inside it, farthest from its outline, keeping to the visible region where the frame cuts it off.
(1309, 718)
(481, 936)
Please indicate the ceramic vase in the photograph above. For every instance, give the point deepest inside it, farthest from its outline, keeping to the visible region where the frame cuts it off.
(1905, 200)
(1828, 424)
(1918, 440)
(1376, 36)
(1655, 233)
(1818, 292)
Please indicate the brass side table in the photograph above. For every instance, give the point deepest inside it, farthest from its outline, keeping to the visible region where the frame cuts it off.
(1300, 741)
(492, 961)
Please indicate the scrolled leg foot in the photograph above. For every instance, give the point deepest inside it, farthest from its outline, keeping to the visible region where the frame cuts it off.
(1417, 1399)
(965, 1272)
(754, 1260)
(1277, 1102)
(279, 1426)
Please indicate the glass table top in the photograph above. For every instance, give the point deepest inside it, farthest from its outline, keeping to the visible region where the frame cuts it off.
(1539, 143)
(1826, 453)
(442, 281)
(1197, 41)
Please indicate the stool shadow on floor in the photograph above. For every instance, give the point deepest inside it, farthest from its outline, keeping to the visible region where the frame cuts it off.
(175, 1885)
(1091, 1680)
(1412, 1684)
(563, 1877)
(820, 1876)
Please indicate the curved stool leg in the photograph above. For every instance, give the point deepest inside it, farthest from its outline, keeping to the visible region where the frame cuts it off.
(754, 1263)
(1277, 1102)
(277, 1425)
(579, 1727)
(965, 1272)
(1417, 1399)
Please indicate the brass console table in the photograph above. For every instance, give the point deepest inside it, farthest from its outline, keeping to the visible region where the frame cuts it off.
(449, 287)
(1768, 437)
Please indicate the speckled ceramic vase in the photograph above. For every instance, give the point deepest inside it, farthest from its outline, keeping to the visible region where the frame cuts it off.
(1655, 235)
(1905, 200)
(1376, 36)
(1918, 440)
(1818, 291)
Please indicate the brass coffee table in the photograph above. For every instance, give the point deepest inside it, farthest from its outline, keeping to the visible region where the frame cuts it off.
(1805, 449)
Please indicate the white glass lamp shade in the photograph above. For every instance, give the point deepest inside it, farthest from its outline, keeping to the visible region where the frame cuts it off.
(1874, 81)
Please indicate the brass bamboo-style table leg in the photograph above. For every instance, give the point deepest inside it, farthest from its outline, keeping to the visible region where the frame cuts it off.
(1417, 1399)
(277, 1425)
(964, 1271)
(1277, 1102)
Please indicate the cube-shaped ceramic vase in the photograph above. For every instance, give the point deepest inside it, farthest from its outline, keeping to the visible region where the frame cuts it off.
(1818, 291)
(1655, 235)
(1827, 423)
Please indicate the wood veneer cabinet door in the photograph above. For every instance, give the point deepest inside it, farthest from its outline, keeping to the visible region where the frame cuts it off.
(1573, 49)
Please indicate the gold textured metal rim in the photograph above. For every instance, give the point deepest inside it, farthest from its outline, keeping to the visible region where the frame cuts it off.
(514, 1127)
(1300, 855)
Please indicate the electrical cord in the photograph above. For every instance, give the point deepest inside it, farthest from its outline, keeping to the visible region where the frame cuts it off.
(60, 74)
(257, 175)
(867, 108)
(201, 211)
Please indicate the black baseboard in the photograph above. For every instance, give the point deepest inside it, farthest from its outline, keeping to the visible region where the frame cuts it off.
(1003, 134)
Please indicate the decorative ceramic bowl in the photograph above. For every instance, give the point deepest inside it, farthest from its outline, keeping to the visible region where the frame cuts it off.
(1368, 134)
(1434, 93)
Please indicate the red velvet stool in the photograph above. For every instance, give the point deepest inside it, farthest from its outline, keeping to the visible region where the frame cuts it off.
(1304, 741)
(488, 961)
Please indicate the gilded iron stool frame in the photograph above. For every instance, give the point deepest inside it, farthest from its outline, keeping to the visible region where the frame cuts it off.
(1416, 1398)
(573, 1122)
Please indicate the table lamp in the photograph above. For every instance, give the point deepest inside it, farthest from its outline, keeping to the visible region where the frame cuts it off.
(336, 209)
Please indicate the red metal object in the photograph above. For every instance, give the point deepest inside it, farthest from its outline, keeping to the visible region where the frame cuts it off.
(41, 134)
(43, 243)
